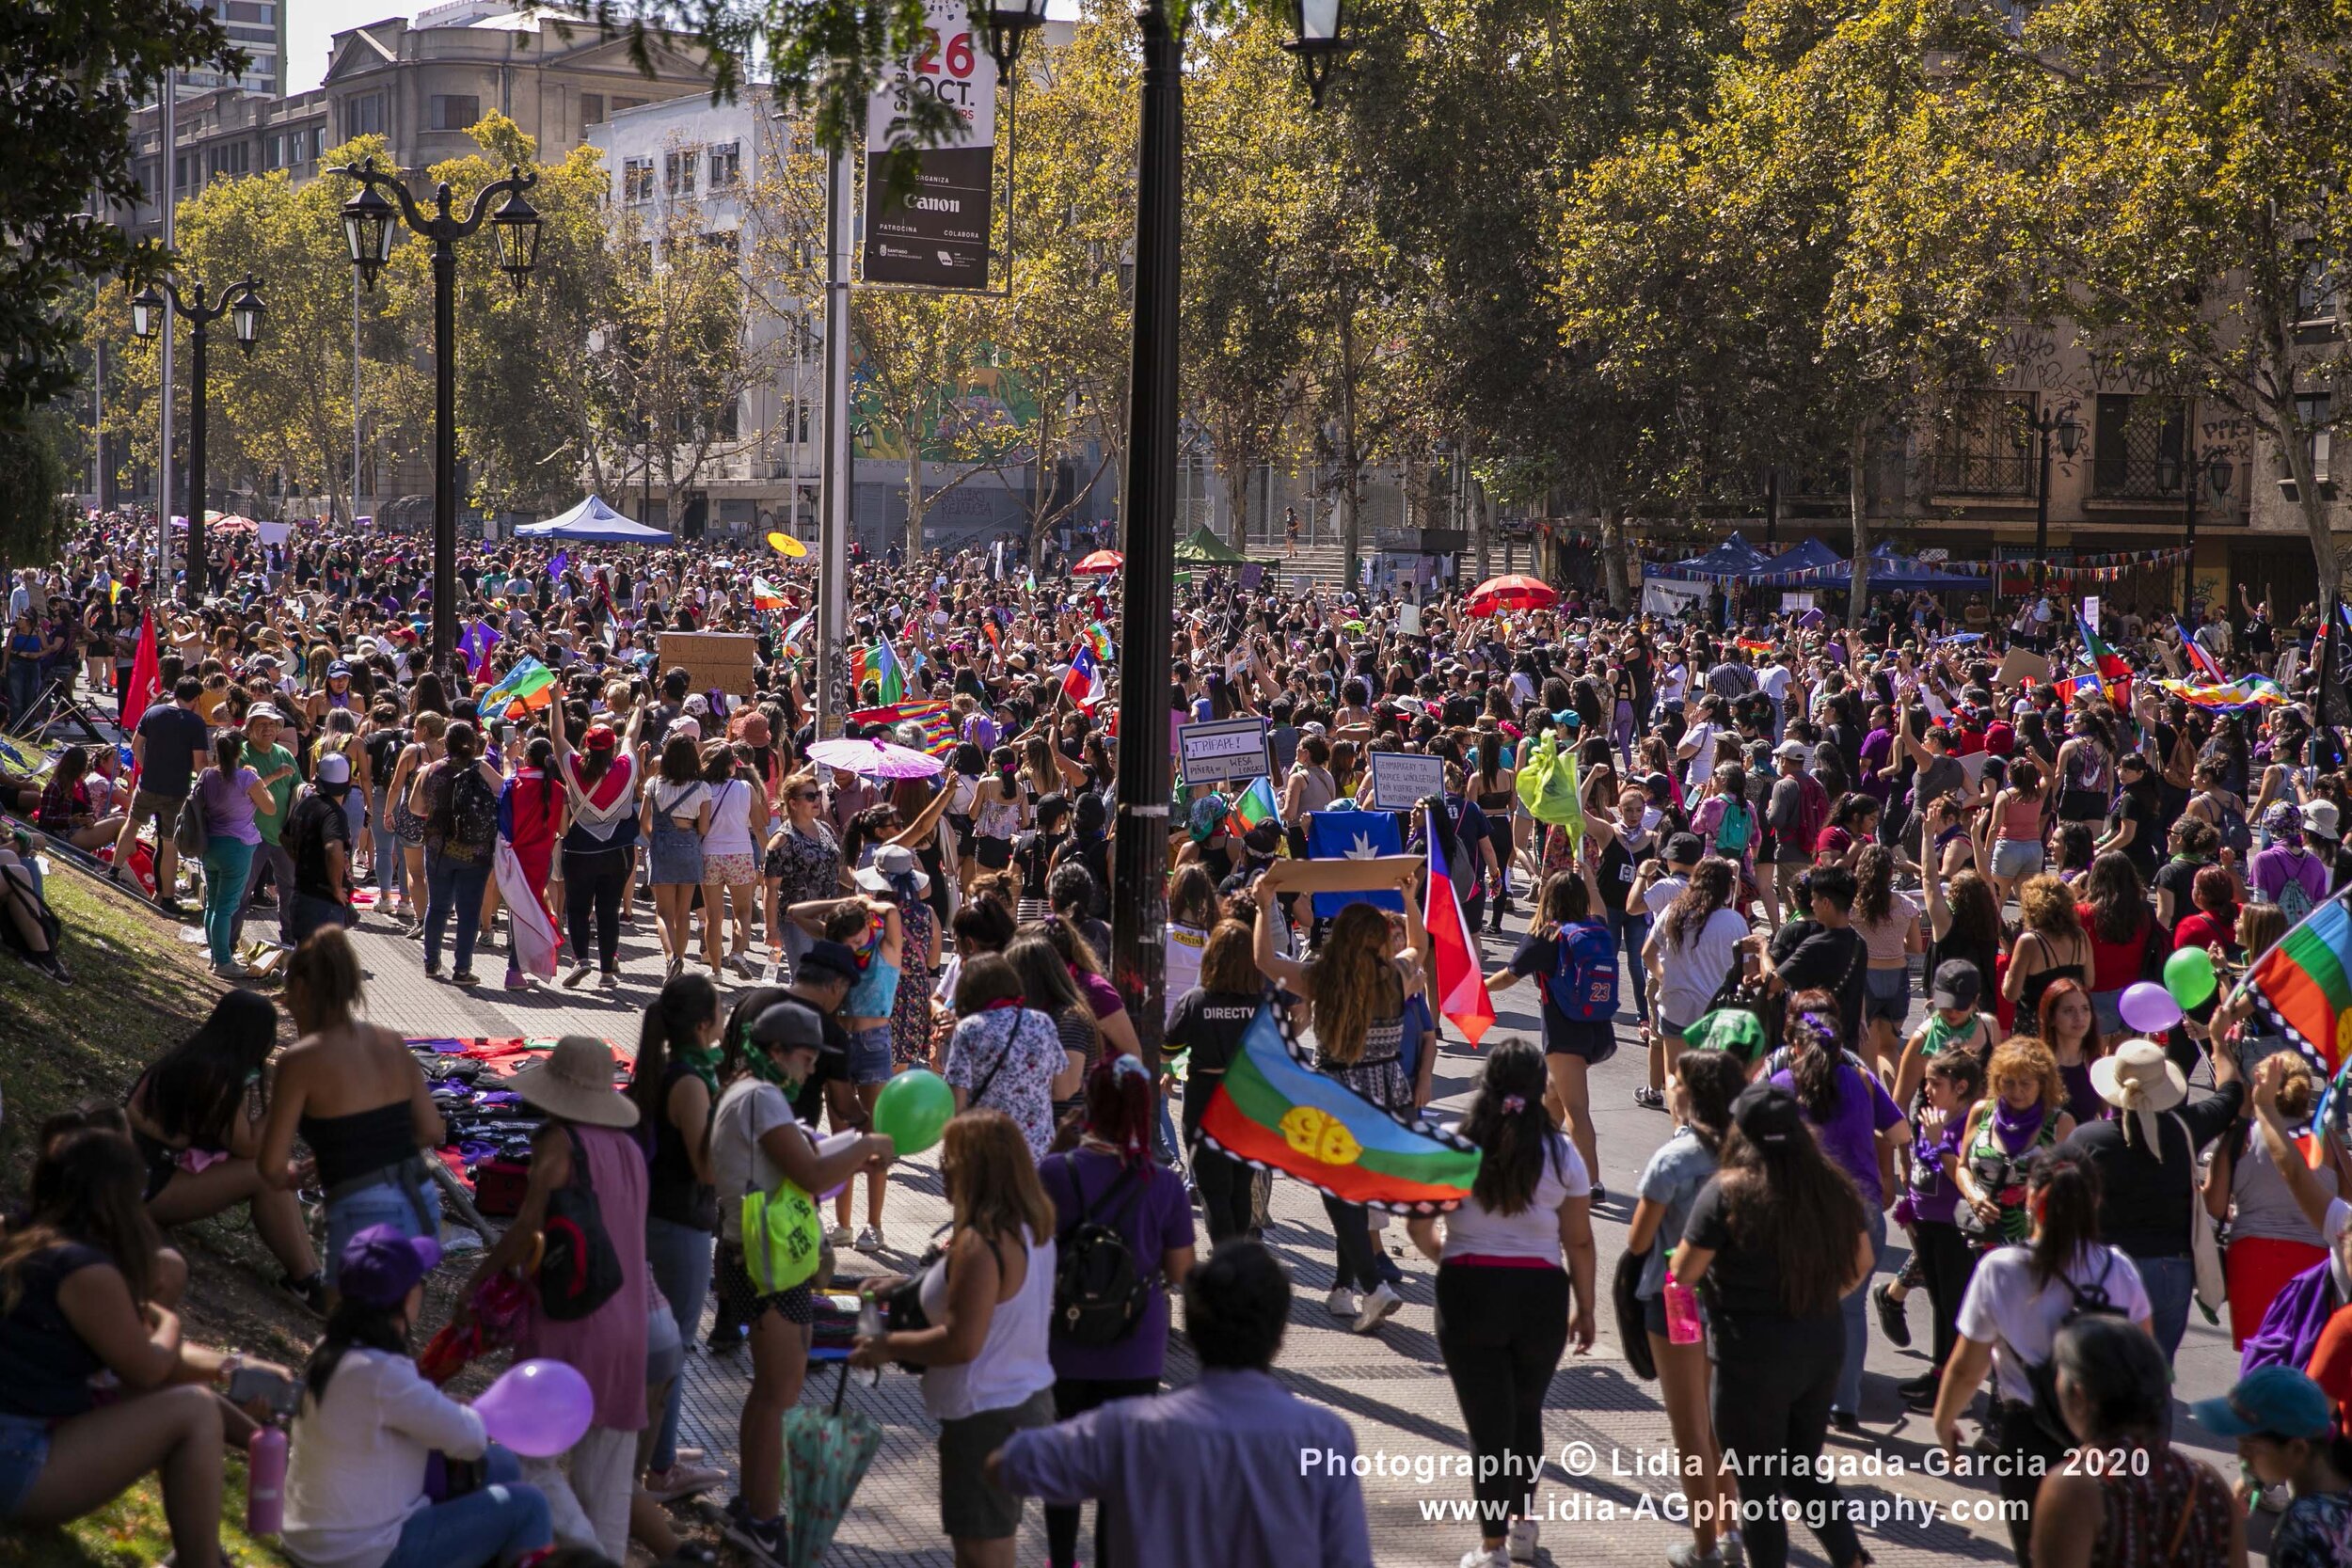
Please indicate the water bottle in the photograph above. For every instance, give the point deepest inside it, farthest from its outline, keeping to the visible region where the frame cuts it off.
(869, 1325)
(266, 1482)
(1682, 1313)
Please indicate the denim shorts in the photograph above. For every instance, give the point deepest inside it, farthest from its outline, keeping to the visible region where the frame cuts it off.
(1888, 995)
(23, 1450)
(870, 1055)
(382, 1204)
(2014, 858)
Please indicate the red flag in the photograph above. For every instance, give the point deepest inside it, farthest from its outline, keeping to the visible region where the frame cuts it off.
(1460, 988)
(145, 682)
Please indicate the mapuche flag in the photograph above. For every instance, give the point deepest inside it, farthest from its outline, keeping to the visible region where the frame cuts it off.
(528, 686)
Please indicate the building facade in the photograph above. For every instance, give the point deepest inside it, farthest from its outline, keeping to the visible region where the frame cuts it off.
(258, 28)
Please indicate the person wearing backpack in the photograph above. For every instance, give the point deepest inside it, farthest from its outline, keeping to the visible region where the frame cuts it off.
(1576, 953)
(2016, 1303)
(457, 799)
(584, 1215)
(2287, 873)
(1124, 1240)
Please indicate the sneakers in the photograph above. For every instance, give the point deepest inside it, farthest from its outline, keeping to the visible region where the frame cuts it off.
(1891, 1320)
(761, 1539)
(608, 980)
(1341, 1301)
(1378, 1307)
(681, 1480)
(572, 980)
(1479, 1557)
(1688, 1556)
(838, 1237)
(869, 1240)
(1649, 1099)
(465, 977)
(232, 969)
(1601, 1195)
(742, 963)
(1521, 1542)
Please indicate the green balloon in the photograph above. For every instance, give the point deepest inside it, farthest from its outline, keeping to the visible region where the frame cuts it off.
(2188, 976)
(913, 1109)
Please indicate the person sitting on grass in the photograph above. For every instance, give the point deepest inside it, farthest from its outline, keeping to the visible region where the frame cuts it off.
(28, 927)
(77, 1297)
(369, 1424)
(196, 1118)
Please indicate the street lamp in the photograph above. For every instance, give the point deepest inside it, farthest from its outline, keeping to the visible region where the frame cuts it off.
(368, 221)
(242, 304)
(1317, 42)
(2062, 423)
(2216, 472)
(1005, 24)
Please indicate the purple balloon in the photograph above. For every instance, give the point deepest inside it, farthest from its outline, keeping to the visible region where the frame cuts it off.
(539, 1408)
(2149, 1008)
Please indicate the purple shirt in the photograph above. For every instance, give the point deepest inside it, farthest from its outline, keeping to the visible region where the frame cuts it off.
(228, 807)
(1878, 749)
(1233, 1470)
(2273, 868)
(1849, 1136)
(1148, 1208)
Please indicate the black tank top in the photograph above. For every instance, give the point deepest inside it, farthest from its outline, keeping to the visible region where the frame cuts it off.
(362, 1142)
(673, 1193)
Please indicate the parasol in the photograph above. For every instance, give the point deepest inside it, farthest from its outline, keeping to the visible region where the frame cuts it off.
(826, 1455)
(1102, 563)
(1512, 591)
(875, 759)
(784, 544)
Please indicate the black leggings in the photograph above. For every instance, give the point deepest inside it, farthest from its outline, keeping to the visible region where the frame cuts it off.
(1771, 1395)
(2030, 1454)
(1501, 1332)
(1351, 1237)
(1076, 1396)
(1224, 1183)
(592, 885)
(1945, 1263)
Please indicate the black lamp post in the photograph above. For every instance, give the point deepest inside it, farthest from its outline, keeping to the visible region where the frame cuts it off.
(242, 304)
(2062, 423)
(2216, 470)
(1317, 42)
(1004, 23)
(369, 221)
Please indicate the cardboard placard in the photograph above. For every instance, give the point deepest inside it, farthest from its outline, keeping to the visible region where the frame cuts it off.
(1214, 750)
(2023, 665)
(713, 660)
(1402, 780)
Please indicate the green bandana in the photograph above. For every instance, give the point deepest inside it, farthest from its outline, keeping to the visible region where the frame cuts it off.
(702, 1064)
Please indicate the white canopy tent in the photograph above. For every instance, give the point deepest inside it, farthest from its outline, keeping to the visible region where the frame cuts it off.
(592, 522)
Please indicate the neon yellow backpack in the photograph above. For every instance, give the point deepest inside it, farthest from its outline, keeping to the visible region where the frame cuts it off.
(782, 1237)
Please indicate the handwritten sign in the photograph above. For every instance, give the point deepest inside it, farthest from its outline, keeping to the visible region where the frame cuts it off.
(1402, 780)
(1216, 750)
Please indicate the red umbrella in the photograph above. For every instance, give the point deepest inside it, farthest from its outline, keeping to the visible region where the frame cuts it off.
(1102, 563)
(1512, 591)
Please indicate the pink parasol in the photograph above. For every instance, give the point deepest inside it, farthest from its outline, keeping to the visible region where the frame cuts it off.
(875, 759)
(1102, 563)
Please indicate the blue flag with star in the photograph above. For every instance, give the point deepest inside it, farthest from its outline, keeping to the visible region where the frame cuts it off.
(1354, 835)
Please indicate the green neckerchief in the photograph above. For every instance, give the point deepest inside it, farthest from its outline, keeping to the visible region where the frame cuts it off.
(702, 1063)
(767, 1071)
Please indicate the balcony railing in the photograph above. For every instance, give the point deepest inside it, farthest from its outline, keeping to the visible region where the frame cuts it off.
(1985, 473)
(2136, 476)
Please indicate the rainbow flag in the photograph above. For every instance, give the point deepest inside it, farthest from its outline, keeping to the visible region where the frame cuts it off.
(938, 721)
(2245, 691)
(528, 686)
(1753, 646)
(1275, 1111)
(2303, 985)
(1252, 806)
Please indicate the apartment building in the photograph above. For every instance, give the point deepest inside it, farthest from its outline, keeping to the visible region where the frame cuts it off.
(258, 28)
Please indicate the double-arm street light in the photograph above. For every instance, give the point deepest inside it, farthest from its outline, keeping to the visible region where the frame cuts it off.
(1140, 851)
(2062, 423)
(242, 304)
(368, 222)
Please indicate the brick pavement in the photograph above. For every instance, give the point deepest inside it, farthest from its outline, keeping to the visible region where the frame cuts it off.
(1393, 1390)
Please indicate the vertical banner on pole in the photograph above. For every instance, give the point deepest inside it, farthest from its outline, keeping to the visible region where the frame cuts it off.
(937, 235)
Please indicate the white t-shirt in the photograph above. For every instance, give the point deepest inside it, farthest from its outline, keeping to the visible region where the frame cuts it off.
(2002, 1307)
(1702, 763)
(1534, 1231)
(1694, 969)
(355, 1469)
(1186, 943)
(1672, 682)
(1662, 892)
(1772, 680)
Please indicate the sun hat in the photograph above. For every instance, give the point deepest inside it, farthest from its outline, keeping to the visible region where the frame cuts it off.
(381, 1264)
(576, 1082)
(2271, 1401)
(893, 863)
(756, 729)
(2139, 1078)
(2319, 818)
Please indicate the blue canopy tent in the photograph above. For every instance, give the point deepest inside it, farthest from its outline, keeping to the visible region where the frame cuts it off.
(1734, 558)
(592, 522)
(1893, 571)
(1786, 569)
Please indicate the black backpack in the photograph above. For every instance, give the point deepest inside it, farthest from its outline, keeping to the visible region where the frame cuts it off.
(2089, 1300)
(1099, 1294)
(473, 814)
(579, 1271)
(384, 748)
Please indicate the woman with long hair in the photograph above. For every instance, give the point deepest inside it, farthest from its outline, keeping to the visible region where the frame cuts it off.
(1692, 945)
(530, 818)
(457, 864)
(1193, 912)
(676, 820)
(2124, 933)
(1005, 1054)
(197, 1116)
(2086, 772)
(731, 862)
(2018, 812)
(2271, 1239)
(78, 1296)
(1704, 1085)
(999, 809)
(1573, 954)
(1777, 1237)
(2015, 1303)
(229, 794)
(1504, 1312)
(599, 846)
(1047, 987)
(1111, 1179)
(1209, 1022)
(988, 1303)
(2051, 947)
(803, 862)
(2067, 1027)
(1888, 923)
(674, 1084)
(69, 811)
(1492, 783)
(421, 752)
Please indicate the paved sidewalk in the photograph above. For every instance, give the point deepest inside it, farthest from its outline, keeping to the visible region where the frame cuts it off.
(1392, 1390)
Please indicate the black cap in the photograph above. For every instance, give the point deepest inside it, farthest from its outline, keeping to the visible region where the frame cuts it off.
(1684, 849)
(1765, 1114)
(1957, 985)
(789, 1026)
(826, 961)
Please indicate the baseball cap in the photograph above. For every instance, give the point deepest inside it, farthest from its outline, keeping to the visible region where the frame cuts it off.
(382, 1264)
(1957, 985)
(2275, 1402)
(1791, 751)
(1767, 1113)
(1658, 784)
(263, 710)
(599, 737)
(789, 1026)
(827, 959)
(338, 667)
(1684, 849)
(334, 769)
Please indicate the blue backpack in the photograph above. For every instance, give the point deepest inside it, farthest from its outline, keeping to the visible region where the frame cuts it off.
(1583, 977)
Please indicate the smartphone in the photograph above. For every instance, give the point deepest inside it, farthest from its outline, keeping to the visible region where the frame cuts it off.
(247, 1385)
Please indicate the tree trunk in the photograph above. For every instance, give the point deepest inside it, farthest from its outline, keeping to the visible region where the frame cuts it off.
(1351, 541)
(1237, 476)
(913, 542)
(1613, 560)
(1482, 520)
(1858, 500)
(2328, 566)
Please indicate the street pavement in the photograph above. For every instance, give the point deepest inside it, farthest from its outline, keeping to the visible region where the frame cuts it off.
(1600, 1421)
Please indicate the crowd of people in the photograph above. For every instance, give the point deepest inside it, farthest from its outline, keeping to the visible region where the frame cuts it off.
(1870, 905)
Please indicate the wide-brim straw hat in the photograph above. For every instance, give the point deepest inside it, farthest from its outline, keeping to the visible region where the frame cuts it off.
(575, 1084)
(2138, 1076)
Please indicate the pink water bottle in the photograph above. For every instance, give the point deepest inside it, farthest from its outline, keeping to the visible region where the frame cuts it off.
(266, 1482)
(1682, 1313)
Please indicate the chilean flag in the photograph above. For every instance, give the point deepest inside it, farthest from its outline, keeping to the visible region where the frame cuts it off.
(1461, 988)
(1084, 683)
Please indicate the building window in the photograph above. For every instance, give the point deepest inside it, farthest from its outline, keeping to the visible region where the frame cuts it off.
(272, 153)
(724, 240)
(591, 110)
(455, 111)
(726, 165)
(178, 171)
(2315, 411)
(1986, 449)
(636, 181)
(243, 11)
(678, 172)
(621, 103)
(2136, 447)
(2316, 303)
(363, 116)
(235, 158)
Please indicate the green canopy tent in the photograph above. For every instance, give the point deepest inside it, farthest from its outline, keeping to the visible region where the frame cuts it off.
(1202, 548)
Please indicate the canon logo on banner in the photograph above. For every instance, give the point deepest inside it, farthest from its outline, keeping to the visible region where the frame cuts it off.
(935, 204)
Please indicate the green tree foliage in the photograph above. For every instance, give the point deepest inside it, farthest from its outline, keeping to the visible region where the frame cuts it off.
(36, 505)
